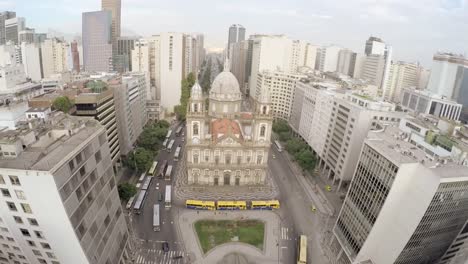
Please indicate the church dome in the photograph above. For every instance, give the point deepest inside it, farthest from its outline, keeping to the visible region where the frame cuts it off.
(225, 87)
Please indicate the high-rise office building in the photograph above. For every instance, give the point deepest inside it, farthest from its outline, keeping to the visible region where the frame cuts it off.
(200, 50)
(3, 17)
(236, 34)
(26, 35)
(399, 194)
(449, 78)
(327, 58)
(54, 56)
(346, 61)
(114, 6)
(12, 28)
(31, 59)
(239, 62)
(373, 68)
(75, 53)
(75, 216)
(122, 56)
(97, 41)
(402, 75)
(377, 47)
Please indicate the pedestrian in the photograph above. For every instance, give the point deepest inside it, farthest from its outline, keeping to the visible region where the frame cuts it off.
(198, 212)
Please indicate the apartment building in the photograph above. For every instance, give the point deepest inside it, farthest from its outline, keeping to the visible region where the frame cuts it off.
(59, 201)
(97, 100)
(416, 204)
(335, 122)
(281, 88)
(401, 75)
(130, 102)
(327, 58)
(55, 57)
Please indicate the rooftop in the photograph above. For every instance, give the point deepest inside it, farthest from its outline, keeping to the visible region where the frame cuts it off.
(224, 126)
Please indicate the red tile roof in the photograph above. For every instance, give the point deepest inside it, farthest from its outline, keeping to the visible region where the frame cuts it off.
(225, 126)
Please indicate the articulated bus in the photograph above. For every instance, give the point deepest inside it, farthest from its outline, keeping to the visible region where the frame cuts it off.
(162, 169)
(177, 153)
(140, 202)
(302, 250)
(200, 205)
(167, 177)
(156, 218)
(179, 131)
(169, 147)
(264, 205)
(147, 183)
(169, 133)
(231, 205)
(278, 146)
(142, 177)
(152, 169)
(167, 201)
(165, 143)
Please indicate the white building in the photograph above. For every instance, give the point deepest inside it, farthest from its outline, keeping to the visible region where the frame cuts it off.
(171, 68)
(55, 57)
(335, 123)
(12, 114)
(281, 88)
(77, 201)
(327, 58)
(346, 61)
(12, 28)
(130, 105)
(401, 75)
(373, 70)
(31, 59)
(417, 205)
(426, 102)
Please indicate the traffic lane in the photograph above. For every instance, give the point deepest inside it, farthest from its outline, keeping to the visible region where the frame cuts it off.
(298, 207)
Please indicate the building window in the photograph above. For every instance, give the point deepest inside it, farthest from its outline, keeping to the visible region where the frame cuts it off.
(38, 234)
(71, 164)
(5, 192)
(33, 222)
(195, 107)
(98, 156)
(262, 131)
(228, 159)
(18, 219)
(12, 206)
(195, 129)
(42, 261)
(264, 110)
(25, 232)
(259, 159)
(216, 159)
(45, 245)
(239, 159)
(31, 243)
(20, 195)
(14, 180)
(195, 158)
(26, 208)
(50, 255)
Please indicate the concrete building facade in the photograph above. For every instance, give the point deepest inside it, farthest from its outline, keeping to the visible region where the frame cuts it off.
(402, 75)
(327, 58)
(425, 102)
(97, 41)
(236, 34)
(3, 17)
(69, 158)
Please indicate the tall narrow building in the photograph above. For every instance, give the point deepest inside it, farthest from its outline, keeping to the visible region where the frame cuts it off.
(114, 6)
(97, 41)
(75, 54)
(236, 34)
(59, 200)
(3, 17)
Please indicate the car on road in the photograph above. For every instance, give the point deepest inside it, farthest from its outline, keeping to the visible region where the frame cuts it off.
(274, 156)
(165, 247)
(160, 197)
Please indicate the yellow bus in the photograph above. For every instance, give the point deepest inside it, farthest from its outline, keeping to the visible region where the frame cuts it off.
(232, 205)
(265, 205)
(152, 169)
(302, 250)
(200, 205)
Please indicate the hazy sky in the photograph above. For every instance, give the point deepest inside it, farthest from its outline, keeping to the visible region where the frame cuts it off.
(415, 28)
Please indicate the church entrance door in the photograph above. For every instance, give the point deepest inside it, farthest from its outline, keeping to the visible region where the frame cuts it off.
(237, 181)
(227, 178)
(216, 181)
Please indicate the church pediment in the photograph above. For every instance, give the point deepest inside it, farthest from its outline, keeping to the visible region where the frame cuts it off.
(227, 140)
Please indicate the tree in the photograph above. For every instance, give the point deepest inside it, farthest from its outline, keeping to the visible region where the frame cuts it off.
(152, 136)
(186, 86)
(306, 159)
(295, 145)
(163, 124)
(284, 136)
(62, 103)
(281, 126)
(126, 191)
(140, 157)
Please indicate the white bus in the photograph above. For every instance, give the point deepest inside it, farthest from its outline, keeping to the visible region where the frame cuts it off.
(142, 177)
(179, 131)
(177, 153)
(140, 202)
(169, 133)
(169, 147)
(278, 146)
(152, 169)
(165, 143)
(167, 177)
(147, 183)
(167, 201)
(130, 202)
(156, 218)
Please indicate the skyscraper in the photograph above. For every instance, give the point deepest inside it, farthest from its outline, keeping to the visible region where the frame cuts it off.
(75, 56)
(114, 6)
(12, 28)
(97, 41)
(376, 46)
(3, 17)
(236, 34)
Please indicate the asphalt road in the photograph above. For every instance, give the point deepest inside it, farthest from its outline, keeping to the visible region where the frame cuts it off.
(296, 215)
(150, 242)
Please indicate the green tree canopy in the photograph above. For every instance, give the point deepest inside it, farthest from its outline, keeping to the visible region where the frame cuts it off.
(295, 145)
(140, 157)
(62, 103)
(153, 135)
(281, 126)
(126, 191)
(284, 136)
(186, 86)
(306, 159)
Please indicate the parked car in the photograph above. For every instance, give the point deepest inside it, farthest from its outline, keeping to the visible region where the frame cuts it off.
(160, 197)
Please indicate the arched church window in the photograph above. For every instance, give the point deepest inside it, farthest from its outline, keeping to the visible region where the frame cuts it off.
(195, 107)
(264, 110)
(262, 131)
(195, 129)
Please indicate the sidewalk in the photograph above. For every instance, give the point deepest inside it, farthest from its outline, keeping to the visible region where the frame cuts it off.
(270, 251)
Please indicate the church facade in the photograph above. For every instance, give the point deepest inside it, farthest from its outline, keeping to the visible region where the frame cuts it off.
(227, 144)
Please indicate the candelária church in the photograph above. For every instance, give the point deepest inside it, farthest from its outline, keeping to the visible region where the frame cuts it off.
(228, 140)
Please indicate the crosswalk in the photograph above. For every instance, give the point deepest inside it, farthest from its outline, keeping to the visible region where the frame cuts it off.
(285, 233)
(154, 256)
